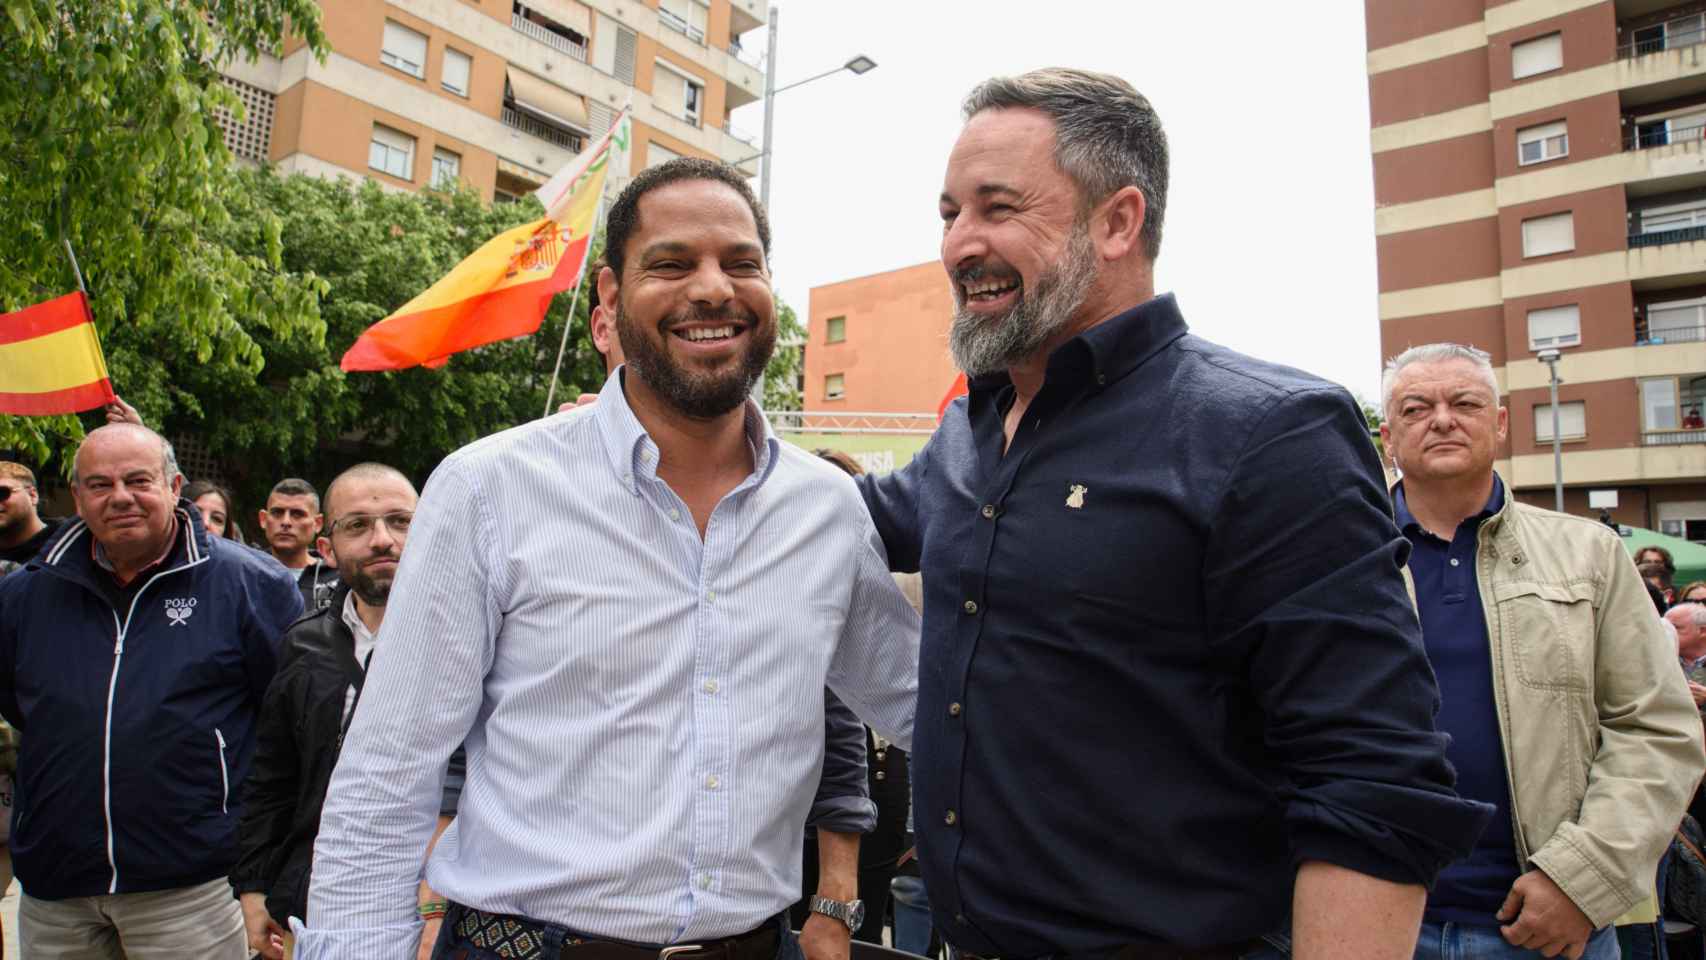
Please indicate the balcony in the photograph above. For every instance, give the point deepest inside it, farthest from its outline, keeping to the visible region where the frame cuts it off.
(1663, 132)
(1673, 33)
(550, 133)
(1671, 410)
(558, 37)
(695, 33)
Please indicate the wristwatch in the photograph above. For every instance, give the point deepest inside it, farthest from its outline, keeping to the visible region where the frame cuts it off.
(850, 912)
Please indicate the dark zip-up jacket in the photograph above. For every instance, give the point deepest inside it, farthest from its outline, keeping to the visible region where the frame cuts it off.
(138, 723)
(307, 709)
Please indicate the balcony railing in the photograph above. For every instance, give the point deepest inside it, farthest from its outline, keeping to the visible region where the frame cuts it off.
(674, 22)
(548, 37)
(1689, 334)
(1661, 237)
(1638, 139)
(1673, 41)
(752, 58)
(570, 141)
(1672, 438)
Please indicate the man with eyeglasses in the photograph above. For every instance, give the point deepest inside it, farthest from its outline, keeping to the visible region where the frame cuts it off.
(310, 704)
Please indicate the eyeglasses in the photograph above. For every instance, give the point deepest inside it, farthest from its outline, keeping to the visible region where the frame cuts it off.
(362, 524)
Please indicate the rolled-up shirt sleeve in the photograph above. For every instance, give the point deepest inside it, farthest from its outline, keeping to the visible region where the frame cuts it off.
(843, 801)
(1306, 565)
(418, 702)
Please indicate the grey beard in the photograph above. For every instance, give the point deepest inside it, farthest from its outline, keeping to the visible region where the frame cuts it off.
(983, 345)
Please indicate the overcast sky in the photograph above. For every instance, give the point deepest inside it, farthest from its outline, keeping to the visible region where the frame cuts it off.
(1269, 238)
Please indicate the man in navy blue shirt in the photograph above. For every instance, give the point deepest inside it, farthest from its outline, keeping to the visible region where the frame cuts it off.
(1561, 697)
(1172, 691)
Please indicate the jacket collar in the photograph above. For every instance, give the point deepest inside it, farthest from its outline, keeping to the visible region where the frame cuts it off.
(1109, 350)
(72, 551)
(1498, 526)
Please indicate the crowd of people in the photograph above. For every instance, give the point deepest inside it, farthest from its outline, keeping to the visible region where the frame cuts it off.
(1179, 676)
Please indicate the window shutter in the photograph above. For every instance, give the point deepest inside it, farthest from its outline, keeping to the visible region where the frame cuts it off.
(626, 51)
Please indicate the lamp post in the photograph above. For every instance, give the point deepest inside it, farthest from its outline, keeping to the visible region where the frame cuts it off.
(1550, 358)
(858, 65)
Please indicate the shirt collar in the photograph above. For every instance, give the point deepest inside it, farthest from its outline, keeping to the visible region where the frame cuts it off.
(634, 455)
(352, 619)
(1408, 523)
(1109, 350)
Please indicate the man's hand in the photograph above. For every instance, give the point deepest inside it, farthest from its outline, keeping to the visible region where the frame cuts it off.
(1539, 916)
(429, 936)
(1698, 692)
(265, 937)
(120, 412)
(825, 938)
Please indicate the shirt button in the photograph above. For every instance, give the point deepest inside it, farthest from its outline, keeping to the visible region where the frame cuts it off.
(711, 596)
(881, 775)
(710, 686)
(953, 709)
(959, 918)
(971, 606)
(989, 511)
(704, 881)
(712, 783)
(1454, 561)
(1101, 379)
(674, 514)
(950, 818)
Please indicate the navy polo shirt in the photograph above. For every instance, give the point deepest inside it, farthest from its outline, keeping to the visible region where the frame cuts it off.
(1454, 629)
(1167, 654)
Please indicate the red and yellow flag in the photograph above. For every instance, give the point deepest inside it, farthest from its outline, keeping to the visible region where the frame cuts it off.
(503, 289)
(50, 360)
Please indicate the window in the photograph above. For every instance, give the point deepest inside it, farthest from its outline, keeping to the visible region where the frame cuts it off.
(1672, 403)
(835, 330)
(404, 49)
(1535, 56)
(1546, 142)
(835, 386)
(687, 16)
(1544, 235)
(676, 94)
(446, 167)
(1687, 529)
(1680, 32)
(1555, 327)
(392, 152)
(1675, 216)
(1676, 126)
(1680, 320)
(657, 154)
(504, 196)
(457, 67)
(1572, 421)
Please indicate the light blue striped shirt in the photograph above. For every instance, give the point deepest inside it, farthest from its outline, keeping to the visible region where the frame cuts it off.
(643, 710)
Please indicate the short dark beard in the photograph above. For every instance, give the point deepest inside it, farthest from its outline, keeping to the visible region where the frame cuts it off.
(372, 592)
(698, 395)
(982, 345)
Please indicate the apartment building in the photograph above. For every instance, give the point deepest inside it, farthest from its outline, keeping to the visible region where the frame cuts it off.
(880, 343)
(1540, 183)
(499, 94)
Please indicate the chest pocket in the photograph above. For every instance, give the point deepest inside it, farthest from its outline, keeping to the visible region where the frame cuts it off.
(1548, 631)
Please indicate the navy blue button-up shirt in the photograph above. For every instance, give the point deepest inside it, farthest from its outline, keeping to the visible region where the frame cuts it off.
(1454, 629)
(1167, 653)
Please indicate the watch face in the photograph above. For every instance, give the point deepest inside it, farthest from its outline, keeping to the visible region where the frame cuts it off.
(855, 915)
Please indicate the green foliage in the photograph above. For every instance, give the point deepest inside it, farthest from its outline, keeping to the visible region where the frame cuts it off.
(108, 141)
(787, 364)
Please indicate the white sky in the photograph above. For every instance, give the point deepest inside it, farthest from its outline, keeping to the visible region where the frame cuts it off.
(1269, 236)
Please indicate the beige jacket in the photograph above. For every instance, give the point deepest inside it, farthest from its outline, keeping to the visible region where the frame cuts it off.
(1602, 741)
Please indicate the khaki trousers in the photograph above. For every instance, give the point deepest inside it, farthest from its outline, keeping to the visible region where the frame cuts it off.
(203, 921)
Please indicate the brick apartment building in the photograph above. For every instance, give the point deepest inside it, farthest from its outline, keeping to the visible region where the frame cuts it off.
(880, 343)
(1540, 182)
(500, 93)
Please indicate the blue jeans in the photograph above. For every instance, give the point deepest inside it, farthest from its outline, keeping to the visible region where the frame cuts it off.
(911, 915)
(1457, 941)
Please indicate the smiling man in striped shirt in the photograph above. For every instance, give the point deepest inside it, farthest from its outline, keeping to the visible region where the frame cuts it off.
(629, 613)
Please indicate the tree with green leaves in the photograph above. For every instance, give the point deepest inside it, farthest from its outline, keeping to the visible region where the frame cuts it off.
(109, 143)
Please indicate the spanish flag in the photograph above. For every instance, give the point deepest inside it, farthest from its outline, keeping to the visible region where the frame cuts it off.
(50, 360)
(503, 289)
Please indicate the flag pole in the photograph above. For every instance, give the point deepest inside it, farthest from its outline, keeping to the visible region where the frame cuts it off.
(75, 269)
(580, 278)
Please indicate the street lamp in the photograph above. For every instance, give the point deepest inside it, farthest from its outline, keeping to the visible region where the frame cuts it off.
(860, 64)
(1550, 358)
